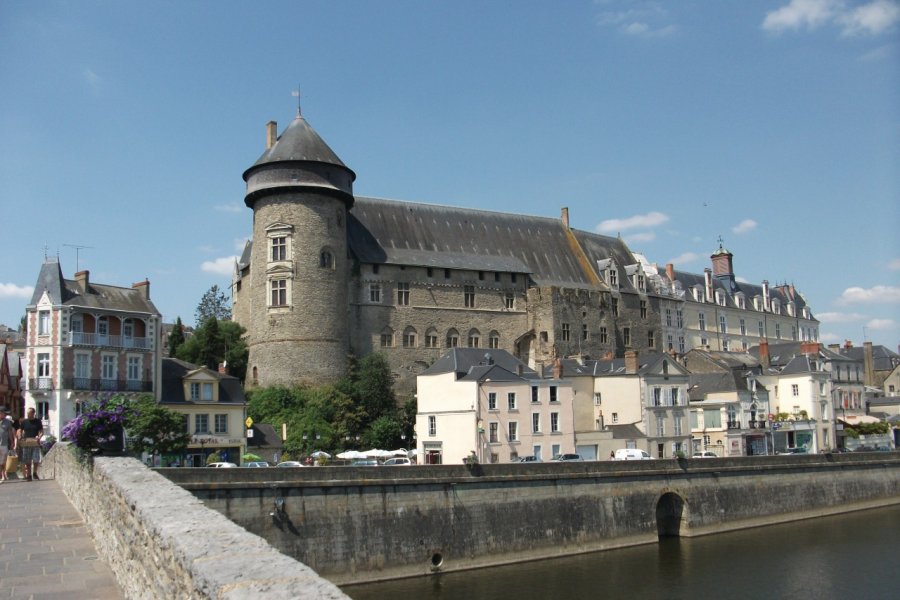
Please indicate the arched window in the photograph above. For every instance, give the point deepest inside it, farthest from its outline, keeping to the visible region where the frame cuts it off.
(431, 338)
(452, 338)
(474, 338)
(326, 259)
(409, 337)
(494, 340)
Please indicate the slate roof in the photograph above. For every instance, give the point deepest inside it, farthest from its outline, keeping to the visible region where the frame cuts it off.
(299, 142)
(703, 384)
(608, 367)
(477, 364)
(98, 296)
(883, 359)
(174, 372)
(626, 432)
(782, 354)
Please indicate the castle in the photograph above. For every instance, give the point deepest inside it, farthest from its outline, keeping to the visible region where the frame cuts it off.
(328, 275)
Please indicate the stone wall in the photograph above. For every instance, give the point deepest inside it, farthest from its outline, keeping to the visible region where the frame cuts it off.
(364, 524)
(162, 542)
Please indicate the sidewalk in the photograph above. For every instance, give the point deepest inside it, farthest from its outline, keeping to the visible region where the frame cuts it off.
(46, 550)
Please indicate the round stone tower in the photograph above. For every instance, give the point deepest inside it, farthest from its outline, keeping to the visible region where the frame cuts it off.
(297, 325)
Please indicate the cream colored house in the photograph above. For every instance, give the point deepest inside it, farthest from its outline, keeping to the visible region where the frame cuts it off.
(640, 401)
(214, 409)
(490, 404)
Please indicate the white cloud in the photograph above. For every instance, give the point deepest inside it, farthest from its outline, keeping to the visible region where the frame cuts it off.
(91, 77)
(745, 226)
(881, 324)
(687, 257)
(231, 207)
(219, 266)
(839, 317)
(639, 19)
(11, 290)
(878, 293)
(647, 236)
(801, 13)
(894, 265)
(830, 338)
(653, 219)
(873, 18)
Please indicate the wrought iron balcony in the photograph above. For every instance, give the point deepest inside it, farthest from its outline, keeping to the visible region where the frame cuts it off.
(107, 385)
(40, 384)
(734, 424)
(80, 338)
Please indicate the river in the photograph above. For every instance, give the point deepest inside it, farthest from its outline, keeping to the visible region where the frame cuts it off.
(851, 556)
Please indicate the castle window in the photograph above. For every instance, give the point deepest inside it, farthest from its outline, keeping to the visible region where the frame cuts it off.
(615, 306)
(469, 296)
(613, 278)
(446, 273)
(387, 338)
(643, 309)
(496, 276)
(375, 269)
(681, 345)
(778, 330)
(668, 317)
(494, 340)
(761, 329)
(431, 338)
(509, 300)
(743, 327)
(452, 338)
(375, 293)
(604, 336)
(402, 294)
(326, 260)
(701, 317)
(679, 316)
(279, 292)
(584, 332)
(565, 332)
(723, 324)
(409, 337)
(512, 277)
(429, 271)
(474, 338)
(481, 275)
(626, 336)
(640, 281)
(669, 344)
(279, 248)
(651, 339)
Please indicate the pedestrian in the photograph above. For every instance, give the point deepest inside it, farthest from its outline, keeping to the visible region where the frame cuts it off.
(31, 430)
(7, 442)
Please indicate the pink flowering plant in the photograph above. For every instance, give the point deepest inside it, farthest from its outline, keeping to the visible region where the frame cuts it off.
(101, 422)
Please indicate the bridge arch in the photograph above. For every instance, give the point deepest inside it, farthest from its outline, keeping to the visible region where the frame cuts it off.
(671, 515)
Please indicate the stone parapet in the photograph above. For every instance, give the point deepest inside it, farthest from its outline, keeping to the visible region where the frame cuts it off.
(162, 542)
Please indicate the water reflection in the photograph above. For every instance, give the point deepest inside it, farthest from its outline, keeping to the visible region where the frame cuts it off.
(847, 556)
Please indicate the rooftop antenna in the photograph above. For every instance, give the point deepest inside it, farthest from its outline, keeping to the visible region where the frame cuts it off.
(296, 94)
(78, 250)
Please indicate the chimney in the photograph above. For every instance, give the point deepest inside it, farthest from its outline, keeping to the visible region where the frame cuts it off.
(764, 353)
(271, 134)
(557, 369)
(223, 368)
(868, 364)
(565, 217)
(834, 347)
(670, 271)
(848, 344)
(83, 279)
(143, 287)
(809, 347)
(631, 362)
(707, 277)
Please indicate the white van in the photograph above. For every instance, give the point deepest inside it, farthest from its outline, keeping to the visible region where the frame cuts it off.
(631, 454)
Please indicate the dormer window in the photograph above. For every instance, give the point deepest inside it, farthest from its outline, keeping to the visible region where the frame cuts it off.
(698, 294)
(613, 276)
(201, 391)
(741, 301)
(776, 308)
(720, 298)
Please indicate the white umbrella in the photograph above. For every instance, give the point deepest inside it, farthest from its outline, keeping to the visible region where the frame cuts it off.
(319, 454)
(376, 453)
(400, 452)
(351, 454)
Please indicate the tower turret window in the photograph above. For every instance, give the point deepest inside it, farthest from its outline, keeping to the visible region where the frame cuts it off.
(326, 259)
(279, 248)
(279, 292)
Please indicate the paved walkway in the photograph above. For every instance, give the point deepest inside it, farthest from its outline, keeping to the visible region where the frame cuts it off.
(46, 550)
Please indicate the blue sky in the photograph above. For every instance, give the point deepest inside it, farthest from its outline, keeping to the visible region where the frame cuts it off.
(125, 127)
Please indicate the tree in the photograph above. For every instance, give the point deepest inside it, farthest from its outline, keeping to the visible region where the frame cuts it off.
(155, 429)
(215, 342)
(176, 337)
(374, 386)
(384, 432)
(212, 304)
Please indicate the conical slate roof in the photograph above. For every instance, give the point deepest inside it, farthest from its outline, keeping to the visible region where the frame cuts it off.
(299, 142)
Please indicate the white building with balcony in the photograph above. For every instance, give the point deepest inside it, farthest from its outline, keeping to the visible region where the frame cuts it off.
(85, 338)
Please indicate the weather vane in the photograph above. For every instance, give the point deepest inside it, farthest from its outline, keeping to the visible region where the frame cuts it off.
(296, 94)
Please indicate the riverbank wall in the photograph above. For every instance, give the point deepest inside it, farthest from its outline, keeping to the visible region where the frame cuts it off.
(355, 525)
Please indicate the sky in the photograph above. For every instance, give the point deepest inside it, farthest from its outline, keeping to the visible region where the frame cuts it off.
(774, 125)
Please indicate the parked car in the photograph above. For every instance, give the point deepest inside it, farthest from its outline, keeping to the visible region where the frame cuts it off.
(528, 459)
(364, 462)
(631, 454)
(567, 458)
(397, 461)
(290, 463)
(257, 464)
(221, 465)
(707, 454)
